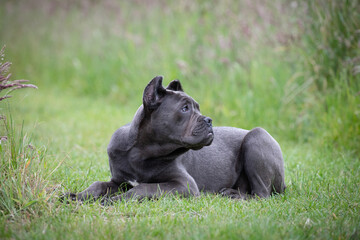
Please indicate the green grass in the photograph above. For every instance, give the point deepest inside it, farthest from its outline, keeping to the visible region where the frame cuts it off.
(247, 63)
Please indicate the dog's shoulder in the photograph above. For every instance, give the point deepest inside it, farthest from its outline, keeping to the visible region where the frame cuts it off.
(125, 137)
(120, 140)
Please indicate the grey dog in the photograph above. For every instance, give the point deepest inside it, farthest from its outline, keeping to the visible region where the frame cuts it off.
(170, 148)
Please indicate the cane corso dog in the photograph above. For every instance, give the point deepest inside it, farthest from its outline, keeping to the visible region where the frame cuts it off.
(171, 148)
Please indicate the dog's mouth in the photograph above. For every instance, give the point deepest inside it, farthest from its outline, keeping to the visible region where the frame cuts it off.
(201, 135)
(199, 141)
(205, 133)
(202, 129)
(210, 134)
(210, 137)
(199, 130)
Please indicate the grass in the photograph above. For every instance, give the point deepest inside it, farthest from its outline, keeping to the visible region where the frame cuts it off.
(247, 63)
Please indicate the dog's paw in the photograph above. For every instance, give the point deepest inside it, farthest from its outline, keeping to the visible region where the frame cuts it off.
(232, 193)
(105, 202)
(66, 197)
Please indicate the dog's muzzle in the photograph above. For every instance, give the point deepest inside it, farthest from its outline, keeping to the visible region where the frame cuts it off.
(204, 126)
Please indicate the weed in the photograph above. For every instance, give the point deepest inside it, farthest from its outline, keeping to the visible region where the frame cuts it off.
(24, 175)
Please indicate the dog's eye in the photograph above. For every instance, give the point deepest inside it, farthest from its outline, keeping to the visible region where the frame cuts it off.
(185, 108)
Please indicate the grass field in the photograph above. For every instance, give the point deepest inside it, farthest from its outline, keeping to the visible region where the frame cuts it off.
(290, 67)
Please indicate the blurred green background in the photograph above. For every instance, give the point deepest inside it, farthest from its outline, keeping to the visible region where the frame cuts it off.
(274, 64)
(292, 67)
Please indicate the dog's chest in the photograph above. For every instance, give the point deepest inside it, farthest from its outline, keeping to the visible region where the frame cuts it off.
(133, 183)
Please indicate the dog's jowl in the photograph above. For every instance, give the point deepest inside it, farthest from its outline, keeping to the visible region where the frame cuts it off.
(171, 148)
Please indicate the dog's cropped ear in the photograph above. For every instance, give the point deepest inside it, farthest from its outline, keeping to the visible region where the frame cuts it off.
(175, 85)
(153, 93)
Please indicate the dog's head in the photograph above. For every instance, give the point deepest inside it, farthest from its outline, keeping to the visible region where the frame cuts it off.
(174, 116)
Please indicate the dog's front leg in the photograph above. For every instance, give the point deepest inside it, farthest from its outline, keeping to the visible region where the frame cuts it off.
(155, 190)
(94, 191)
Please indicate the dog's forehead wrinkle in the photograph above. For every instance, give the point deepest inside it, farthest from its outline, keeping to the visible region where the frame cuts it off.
(183, 97)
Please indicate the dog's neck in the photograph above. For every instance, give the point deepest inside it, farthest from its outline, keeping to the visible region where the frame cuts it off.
(148, 147)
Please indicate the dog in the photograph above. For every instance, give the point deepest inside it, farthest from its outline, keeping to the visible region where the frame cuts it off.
(171, 148)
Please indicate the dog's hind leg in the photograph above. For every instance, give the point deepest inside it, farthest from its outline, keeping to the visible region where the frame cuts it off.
(262, 163)
(241, 188)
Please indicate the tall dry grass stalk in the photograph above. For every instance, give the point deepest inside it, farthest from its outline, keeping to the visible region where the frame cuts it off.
(5, 82)
(23, 172)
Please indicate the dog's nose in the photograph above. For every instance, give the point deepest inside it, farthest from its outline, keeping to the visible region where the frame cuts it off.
(208, 121)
